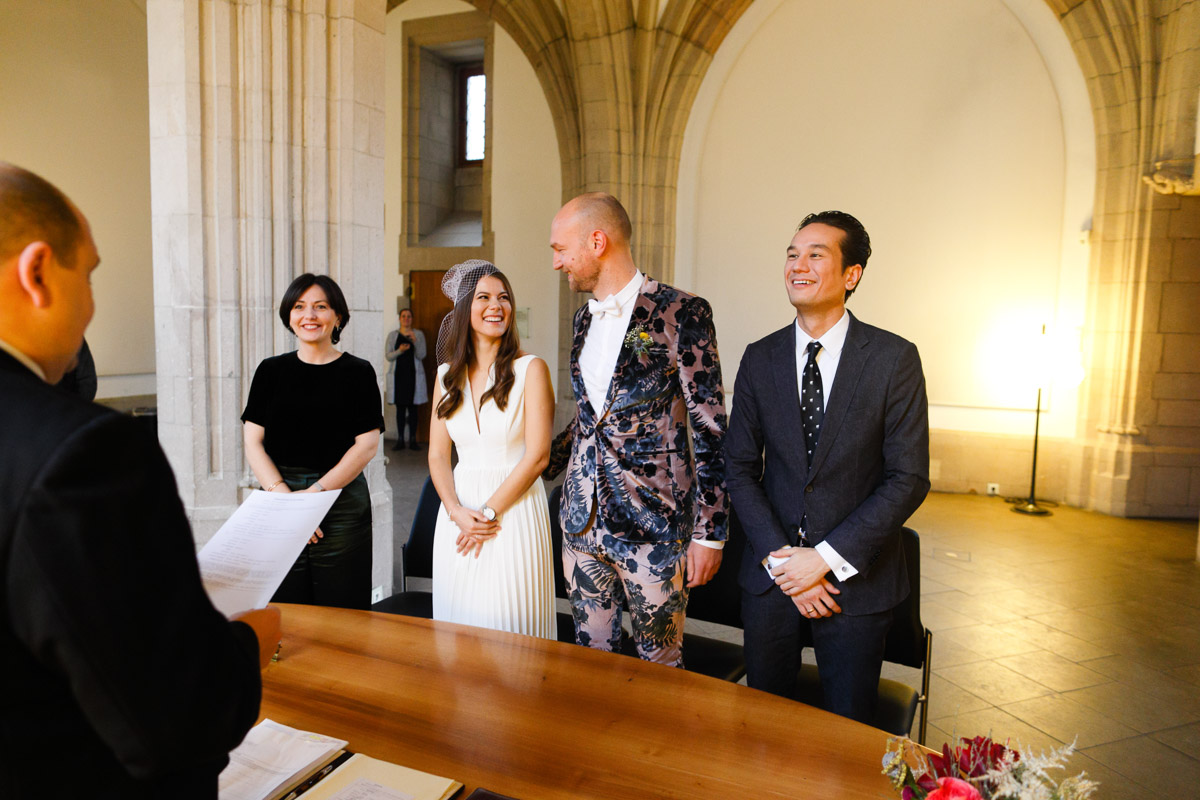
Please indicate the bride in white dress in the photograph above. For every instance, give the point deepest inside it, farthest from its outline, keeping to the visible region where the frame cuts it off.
(492, 564)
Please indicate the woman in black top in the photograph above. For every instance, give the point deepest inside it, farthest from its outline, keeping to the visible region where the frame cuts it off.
(313, 422)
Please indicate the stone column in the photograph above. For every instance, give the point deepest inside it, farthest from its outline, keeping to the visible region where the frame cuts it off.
(266, 154)
(1141, 421)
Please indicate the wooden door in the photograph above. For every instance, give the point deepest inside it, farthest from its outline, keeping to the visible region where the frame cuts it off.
(429, 307)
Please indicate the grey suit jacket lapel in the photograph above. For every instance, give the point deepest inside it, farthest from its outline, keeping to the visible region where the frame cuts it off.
(850, 368)
(783, 360)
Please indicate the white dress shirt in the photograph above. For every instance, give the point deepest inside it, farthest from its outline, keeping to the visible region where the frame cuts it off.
(602, 347)
(828, 358)
(24, 359)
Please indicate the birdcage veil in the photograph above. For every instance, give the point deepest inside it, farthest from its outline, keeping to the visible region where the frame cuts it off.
(459, 282)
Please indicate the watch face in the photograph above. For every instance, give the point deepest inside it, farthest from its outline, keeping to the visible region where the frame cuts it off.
(489, 513)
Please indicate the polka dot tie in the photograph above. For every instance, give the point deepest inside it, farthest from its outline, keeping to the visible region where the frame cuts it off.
(812, 401)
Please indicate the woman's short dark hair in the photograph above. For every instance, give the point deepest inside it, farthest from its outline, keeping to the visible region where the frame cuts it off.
(333, 293)
(855, 244)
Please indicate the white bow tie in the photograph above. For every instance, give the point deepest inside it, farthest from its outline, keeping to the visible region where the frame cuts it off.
(609, 305)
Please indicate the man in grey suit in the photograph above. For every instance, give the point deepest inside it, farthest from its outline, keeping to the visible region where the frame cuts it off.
(827, 455)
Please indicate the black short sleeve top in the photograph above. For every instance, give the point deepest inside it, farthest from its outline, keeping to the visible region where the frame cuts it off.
(312, 412)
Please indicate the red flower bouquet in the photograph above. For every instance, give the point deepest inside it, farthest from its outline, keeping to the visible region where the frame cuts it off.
(980, 769)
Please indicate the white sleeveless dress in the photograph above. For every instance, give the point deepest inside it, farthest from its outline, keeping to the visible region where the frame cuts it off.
(510, 587)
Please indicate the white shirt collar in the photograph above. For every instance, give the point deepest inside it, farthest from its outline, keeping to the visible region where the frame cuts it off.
(24, 359)
(630, 290)
(833, 340)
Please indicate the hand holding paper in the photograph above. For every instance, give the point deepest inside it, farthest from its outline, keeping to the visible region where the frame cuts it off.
(248, 558)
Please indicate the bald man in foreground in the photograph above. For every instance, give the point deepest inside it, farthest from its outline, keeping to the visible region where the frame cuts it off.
(121, 679)
(643, 513)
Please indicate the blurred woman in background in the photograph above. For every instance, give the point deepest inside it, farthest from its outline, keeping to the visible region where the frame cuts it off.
(406, 388)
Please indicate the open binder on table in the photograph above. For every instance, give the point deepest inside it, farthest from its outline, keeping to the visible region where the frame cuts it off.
(276, 762)
(366, 778)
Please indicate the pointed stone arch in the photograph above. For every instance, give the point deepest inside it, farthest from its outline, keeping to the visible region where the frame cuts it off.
(620, 78)
(1142, 66)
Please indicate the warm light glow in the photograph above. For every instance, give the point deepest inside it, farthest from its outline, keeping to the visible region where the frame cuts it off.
(1062, 359)
(1016, 359)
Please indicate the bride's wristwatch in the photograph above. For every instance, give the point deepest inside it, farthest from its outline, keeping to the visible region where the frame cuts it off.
(488, 512)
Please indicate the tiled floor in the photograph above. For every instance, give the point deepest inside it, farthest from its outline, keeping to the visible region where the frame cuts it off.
(1046, 629)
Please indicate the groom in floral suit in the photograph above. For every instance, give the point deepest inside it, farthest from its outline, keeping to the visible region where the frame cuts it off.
(644, 514)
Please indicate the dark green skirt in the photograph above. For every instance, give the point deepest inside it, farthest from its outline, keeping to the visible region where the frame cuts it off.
(336, 571)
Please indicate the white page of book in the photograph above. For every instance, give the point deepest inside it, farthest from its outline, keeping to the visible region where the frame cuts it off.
(247, 559)
(270, 757)
(363, 789)
(408, 782)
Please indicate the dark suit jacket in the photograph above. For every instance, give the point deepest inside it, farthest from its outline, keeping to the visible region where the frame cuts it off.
(869, 474)
(120, 679)
(632, 460)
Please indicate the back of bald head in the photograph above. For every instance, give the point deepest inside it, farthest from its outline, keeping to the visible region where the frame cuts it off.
(600, 211)
(33, 210)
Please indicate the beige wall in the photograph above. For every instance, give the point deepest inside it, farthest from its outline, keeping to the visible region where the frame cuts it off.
(75, 110)
(960, 134)
(938, 124)
(526, 176)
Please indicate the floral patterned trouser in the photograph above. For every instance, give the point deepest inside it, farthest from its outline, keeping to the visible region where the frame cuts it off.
(605, 574)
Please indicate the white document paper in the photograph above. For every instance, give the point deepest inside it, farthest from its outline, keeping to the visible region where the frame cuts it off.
(250, 555)
(363, 789)
(364, 774)
(271, 756)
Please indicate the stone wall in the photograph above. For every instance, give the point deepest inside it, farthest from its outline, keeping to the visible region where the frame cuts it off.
(267, 137)
(437, 139)
(1142, 64)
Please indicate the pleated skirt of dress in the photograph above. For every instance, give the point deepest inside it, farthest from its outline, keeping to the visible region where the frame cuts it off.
(510, 587)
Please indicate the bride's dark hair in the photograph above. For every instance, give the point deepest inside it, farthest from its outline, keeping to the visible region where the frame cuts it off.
(462, 350)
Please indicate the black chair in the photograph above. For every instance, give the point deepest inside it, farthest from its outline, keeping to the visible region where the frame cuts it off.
(717, 601)
(909, 643)
(416, 559)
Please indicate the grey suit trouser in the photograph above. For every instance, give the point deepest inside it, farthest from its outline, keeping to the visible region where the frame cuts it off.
(849, 652)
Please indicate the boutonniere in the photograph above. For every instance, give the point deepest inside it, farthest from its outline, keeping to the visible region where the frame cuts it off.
(639, 340)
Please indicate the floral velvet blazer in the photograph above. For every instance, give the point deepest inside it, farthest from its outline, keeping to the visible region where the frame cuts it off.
(631, 462)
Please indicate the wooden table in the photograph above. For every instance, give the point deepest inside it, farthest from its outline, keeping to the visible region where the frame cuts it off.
(540, 719)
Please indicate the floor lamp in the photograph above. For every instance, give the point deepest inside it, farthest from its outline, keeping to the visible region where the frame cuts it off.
(1030, 506)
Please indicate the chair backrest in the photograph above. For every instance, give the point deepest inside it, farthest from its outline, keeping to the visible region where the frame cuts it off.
(906, 639)
(720, 600)
(556, 539)
(418, 550)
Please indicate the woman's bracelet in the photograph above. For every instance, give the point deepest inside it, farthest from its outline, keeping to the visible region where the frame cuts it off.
(271, 488)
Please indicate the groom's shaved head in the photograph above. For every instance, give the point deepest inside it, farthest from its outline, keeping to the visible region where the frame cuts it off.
(600, 211)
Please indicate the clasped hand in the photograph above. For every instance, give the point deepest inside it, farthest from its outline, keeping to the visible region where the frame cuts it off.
(318, 534)
(473, 530)
(802, 577)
